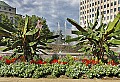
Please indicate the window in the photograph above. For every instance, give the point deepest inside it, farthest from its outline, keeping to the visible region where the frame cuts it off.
(111, 17)
(80, 8)
(107, 11)
(9, 9)
(118, 8)
(92, 4)
(107, 5)
(118, 1)
(80, 3)
(104, 18)
(114, 16)
(90, 21)
(92, 15)
(87, 11)
(104, 0)
(107, 17)
(98, 7)
(80, 13)
(104, 12)
(101, 7)
(95, 3)
(98, 2)
(104, 6)
(114, 9)
(4, 8)
(83, 7)
(92, 9)
(111, 10)
(114, 2)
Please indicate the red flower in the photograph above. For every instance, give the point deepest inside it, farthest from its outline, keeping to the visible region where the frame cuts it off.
(7, 61)
(54, 61)
(13, 60)
(112, 62)
(39, 62)
(44, 62)
(64, 63)
(87, 62)
(84, 60)
(32, 61)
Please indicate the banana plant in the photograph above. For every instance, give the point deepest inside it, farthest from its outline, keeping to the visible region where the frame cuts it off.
(26, 36)
(97, 39)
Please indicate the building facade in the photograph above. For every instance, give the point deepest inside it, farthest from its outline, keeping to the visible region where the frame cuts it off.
(88, 9)
(7, 10)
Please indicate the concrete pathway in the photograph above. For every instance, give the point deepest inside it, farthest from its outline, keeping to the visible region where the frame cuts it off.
(2, 79)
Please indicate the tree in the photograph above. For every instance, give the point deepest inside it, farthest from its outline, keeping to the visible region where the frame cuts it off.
(26, 36)
(98, 40)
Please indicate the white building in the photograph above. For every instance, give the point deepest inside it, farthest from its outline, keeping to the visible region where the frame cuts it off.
(7, 10)
(88, 10)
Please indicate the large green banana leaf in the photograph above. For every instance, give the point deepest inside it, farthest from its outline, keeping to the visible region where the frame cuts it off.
(32, 32)
(7, 28)
(113, 24)
(117, 42)
(16, 44)
(25, 27)
(4, 33)
(76, 24)
(52, 37)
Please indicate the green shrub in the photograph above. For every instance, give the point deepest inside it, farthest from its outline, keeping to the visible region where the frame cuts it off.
(76, 70)
(100, 71)
(59, 69)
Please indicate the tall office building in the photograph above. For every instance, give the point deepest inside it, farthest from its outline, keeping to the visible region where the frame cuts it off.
(88, 9)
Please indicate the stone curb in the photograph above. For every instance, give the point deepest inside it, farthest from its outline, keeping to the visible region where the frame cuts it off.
(53, 80)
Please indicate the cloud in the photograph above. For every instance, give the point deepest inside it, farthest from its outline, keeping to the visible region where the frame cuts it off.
(52, 10)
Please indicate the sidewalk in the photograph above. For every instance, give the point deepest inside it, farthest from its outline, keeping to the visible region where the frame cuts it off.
(2, 79)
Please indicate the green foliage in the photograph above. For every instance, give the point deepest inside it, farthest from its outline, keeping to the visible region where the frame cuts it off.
(55, 56)
(59, 69)
(100, 71)
(26, 36)
(97, 39)
(76, 70)
(69, 59)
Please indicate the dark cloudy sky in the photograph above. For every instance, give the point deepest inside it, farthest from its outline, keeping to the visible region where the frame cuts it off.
(52, 10)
